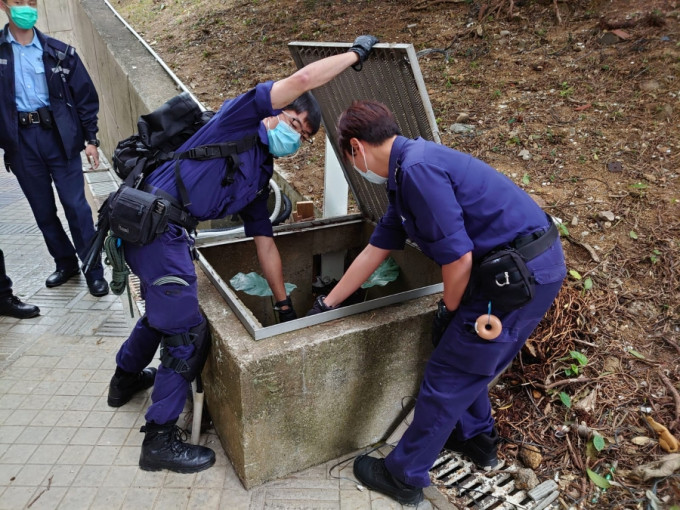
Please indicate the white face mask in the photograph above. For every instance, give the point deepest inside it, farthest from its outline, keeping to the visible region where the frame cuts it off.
(368, 175)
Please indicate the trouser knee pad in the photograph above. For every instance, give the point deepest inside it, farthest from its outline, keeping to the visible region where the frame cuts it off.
(199, 337)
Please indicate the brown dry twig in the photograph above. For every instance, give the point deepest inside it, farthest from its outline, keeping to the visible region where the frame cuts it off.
(650, 19)
(676, 397)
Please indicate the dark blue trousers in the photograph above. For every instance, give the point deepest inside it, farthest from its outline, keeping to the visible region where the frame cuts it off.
(168, 283)
(39, 162)
(454, 393)
(5, 282)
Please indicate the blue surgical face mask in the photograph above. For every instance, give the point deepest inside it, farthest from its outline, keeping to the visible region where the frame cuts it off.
(23, 16)
(283, 140)
(368, 175)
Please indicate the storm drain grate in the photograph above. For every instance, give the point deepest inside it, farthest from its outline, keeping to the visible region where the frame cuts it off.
(458, 479)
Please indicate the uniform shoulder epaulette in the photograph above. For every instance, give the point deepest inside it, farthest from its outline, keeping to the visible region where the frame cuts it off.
(60, 48)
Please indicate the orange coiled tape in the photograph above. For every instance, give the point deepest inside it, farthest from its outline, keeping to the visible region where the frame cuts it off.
(488, 326)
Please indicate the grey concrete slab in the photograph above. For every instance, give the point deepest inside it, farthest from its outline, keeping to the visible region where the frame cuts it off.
(58, 15)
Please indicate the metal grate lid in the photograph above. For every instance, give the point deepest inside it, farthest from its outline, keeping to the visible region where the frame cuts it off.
(392, 76)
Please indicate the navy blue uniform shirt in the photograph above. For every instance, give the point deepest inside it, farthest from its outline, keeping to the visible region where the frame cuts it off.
(450, 203)
(237, 118)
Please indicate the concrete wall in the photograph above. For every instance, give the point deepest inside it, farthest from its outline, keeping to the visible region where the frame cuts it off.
(302, 398)
(129, 80)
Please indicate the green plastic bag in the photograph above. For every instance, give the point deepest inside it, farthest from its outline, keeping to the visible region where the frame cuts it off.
(255, 285)
(387, 272)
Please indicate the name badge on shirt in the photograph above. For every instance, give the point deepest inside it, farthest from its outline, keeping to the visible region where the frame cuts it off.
(3, 61)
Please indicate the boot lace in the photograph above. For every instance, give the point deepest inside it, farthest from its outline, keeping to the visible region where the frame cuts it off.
(177, 437)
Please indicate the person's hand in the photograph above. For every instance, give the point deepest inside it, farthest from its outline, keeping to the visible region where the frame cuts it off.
(319, 306)
(287, 314)
(362, 46)
(441, 321)
(92, 155)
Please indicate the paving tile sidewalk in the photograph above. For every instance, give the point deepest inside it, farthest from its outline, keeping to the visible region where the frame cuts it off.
(61, 446)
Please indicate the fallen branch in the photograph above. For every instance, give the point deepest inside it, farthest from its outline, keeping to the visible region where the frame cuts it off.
(574, 457)
(49, 484)
(670, 342)
(426, 4)
(557, 384)
(650, 20)
(676, 396)
(593, 254)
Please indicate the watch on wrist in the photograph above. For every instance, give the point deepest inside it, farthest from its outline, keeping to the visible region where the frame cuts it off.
(94, 141)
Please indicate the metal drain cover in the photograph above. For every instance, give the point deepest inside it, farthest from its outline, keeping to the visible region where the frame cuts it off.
(471, 488)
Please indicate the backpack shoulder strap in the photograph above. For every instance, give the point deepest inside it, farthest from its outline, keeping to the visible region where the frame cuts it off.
(216, 150)
(227, 150)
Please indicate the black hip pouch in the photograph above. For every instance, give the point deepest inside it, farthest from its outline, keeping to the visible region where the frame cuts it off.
(46, 119)
(136, 216)
(503, 278)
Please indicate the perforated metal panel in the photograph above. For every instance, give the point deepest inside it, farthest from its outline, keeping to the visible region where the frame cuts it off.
(392, 76)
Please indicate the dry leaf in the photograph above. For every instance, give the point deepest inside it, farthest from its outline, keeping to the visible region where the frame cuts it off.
(662, 468)
(587, 403)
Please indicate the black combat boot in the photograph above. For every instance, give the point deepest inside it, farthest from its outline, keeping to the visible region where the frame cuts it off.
(481, 449)
(373, 473)
(164, 448)
(124, 385)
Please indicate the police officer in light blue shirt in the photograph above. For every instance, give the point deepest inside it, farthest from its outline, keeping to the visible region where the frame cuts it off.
(48, 110)
(457, 209)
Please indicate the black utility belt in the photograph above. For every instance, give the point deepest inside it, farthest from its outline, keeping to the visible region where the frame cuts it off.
(42, 116)
(502, 276)
(139, 217)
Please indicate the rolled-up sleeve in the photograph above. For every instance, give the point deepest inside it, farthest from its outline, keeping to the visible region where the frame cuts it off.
(255, 217)
(429, 202)
(389, 234)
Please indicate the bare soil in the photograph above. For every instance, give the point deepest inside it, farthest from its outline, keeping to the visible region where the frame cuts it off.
(577, 101)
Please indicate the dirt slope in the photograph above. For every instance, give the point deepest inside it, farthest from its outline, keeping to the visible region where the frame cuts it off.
(583, 113)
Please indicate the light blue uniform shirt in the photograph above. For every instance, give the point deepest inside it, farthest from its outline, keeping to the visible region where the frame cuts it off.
(29, 75)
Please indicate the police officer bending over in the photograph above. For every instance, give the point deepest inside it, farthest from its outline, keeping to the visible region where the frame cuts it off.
(456, 209)
(48, 109)
(277, 116)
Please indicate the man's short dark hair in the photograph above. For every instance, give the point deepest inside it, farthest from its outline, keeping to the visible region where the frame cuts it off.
(307, 103)
(369, 121)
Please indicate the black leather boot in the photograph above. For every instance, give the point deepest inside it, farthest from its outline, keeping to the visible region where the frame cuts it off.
(124, 385)
(481, 449)
(164, 448)
(12, 306)
(373, 473)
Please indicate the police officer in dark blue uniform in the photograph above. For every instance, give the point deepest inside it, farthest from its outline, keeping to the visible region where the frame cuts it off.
(456, 209)
(276, 117)
(10, 305)
(48, 110)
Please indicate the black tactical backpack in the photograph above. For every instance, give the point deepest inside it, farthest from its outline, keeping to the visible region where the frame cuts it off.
(159, 134)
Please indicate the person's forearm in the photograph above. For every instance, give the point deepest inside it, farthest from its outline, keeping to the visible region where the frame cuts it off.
(456, 276)
(270, 262)
(362, 267)
(311, 76)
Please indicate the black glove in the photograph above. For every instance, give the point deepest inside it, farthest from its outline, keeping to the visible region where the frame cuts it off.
(362, 47)
(442, 319)
(288, 314)
(319, 306)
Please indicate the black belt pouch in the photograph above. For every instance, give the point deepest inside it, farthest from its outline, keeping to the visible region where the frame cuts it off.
(136, 216)
(503, 278)
(45, 117)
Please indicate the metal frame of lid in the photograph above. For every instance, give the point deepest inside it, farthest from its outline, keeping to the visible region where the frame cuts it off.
(390, 75)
